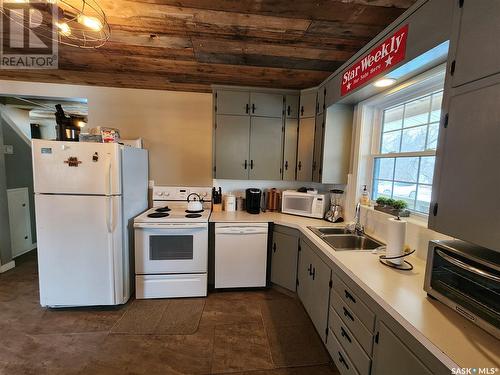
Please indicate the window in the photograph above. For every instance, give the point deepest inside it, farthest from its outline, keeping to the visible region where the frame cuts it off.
(406, 151)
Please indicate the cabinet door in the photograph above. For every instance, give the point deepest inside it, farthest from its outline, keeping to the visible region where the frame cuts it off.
(392, 356)
(305, 149)
(318, 147)
(233, 102)
(308, 104)
(468, 172)
(477, 53)
(284, 260)
(292, 106)
(304, 286)
(232, 137)
(265, 148)
(265, 104)
(321, 100)
(19, 220)
(290, 149)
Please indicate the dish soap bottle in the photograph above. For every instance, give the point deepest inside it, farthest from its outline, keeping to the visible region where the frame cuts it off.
(365, 197)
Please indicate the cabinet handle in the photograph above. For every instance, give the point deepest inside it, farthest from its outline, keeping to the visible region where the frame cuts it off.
(349, 296)
(251, 164)
(348, 314)
(302, 110)
(274, 247)
(342, 360)
(253, 108)
(310, 269)
(314, 272)
(345, 335)
(299, 165)
(286, 165)
(24, 204)
(288, 110)
(246, 164)
(247, 108)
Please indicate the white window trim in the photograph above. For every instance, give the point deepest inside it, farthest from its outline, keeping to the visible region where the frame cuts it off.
(368, 122)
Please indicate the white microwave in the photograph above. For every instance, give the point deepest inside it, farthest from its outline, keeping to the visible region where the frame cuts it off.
(304, 204)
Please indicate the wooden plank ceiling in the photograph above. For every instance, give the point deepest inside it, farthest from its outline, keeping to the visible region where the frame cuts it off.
(190, 44)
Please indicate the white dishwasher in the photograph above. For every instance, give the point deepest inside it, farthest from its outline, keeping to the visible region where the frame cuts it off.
(240, 255)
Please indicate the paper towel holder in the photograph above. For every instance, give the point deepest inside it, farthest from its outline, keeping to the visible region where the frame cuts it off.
(405, 266)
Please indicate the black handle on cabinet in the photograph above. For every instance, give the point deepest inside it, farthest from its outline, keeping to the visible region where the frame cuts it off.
(299, 165)
(246, 164)
(348, 314)
(251, 164)
(247, 108)
(310, 269)
(253, 108)
(288, 110)
(274, 247)
(349, 296)
(345, 335)
(302, 110)
(342, 360)
(313, 273)
(286, 165)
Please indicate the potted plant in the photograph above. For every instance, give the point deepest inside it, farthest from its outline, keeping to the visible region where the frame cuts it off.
(392, 207)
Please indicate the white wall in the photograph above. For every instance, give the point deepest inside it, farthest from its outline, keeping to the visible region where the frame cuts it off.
(176, 126)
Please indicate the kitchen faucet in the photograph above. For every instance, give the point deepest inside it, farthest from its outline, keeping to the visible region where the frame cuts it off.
(358, 228)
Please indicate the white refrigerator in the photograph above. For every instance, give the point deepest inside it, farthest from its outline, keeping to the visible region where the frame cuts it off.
(86, 196)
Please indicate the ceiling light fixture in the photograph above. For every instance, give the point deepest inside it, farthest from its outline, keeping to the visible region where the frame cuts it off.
(384, 82)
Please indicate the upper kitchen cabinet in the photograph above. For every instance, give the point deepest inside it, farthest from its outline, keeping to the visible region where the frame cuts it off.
(266, 104)
(228, 102)
(477, 54)
(467, 172)
(305, 148)
(232, 151)
(292, 106)
(290, 149)
(320, 105)
(308, 103)
(265, 148)
(319, 130)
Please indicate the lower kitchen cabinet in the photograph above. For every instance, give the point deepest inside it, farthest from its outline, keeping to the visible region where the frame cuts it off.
(392, 356)
(314, 287)
(285, 250)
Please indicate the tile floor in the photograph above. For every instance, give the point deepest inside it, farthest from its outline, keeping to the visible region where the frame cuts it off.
(251, 333)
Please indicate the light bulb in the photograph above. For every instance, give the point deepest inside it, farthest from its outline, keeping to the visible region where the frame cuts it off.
(91, 22)
(64, 29)
(80, 124)
(384, 82)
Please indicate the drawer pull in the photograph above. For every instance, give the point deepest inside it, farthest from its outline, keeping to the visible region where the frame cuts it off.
(349, 296)
(345, 335)
(348, 314)
(342, 360)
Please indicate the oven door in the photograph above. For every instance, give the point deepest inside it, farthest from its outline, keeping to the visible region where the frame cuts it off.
(171, 248)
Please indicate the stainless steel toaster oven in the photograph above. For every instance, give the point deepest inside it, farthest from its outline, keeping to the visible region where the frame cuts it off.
(466, 278)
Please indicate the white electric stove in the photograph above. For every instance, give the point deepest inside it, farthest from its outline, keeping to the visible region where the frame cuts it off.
(171, 244)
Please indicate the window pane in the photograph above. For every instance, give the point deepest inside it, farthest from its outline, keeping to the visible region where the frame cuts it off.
(390, 142)
(426, 170)
(382, 189)
(384, 168)
(432, 138)
(423, 198)
(406, 169)
(405, 192)
(437, 98)
(393, 118)
(414, 139)
(417, 112)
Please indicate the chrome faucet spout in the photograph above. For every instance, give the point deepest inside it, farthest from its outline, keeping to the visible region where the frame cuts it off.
(358, 227)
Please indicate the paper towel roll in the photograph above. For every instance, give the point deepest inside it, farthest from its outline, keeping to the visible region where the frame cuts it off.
(396, 234)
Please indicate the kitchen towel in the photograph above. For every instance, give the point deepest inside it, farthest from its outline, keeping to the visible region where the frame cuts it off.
(396, 234)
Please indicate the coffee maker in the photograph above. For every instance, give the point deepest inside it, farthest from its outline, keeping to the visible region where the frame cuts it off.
(335, 213)
(253, 200)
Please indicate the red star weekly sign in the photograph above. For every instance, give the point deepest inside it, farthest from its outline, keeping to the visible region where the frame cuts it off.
(378, 60)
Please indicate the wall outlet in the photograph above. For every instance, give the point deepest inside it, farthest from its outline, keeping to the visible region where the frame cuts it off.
(151, 184)
(8, 149)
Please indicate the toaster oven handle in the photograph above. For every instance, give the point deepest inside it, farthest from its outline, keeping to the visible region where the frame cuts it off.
(467, 267)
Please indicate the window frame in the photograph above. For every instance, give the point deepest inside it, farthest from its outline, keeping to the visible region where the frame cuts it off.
(423, 85)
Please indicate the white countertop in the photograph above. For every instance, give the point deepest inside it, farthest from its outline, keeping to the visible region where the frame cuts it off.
(450, 337)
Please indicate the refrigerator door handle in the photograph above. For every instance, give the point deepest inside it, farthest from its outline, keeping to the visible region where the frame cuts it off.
(108, 177)
(109, 214)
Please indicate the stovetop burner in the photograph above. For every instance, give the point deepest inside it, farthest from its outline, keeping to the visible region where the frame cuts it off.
(193, 216)
(194, 212)
(158, 214)
(163, 209)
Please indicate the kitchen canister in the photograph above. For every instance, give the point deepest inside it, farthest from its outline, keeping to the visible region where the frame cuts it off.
(240, 204)
(396, 234)
(230, 203)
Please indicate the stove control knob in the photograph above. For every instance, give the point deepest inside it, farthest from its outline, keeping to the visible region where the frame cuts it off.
(160, 193)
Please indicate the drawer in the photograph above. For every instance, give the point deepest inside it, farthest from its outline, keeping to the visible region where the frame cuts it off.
(339, 356)
(353, 323)
(355, 304)
(349, 343)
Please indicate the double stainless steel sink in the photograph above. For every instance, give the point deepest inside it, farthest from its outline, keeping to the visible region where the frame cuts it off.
(342, 239)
